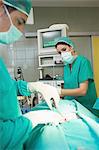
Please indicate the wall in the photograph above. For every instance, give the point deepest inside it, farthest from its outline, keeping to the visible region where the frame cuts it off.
(25, 56)
(22, 54)
(95, 44)
(79, 19)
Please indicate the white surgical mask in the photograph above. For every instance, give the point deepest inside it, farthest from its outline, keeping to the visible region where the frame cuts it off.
(67, 57)
(12, 35)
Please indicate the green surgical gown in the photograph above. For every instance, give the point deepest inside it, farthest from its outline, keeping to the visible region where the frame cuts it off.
(81, 71)
(14, 128)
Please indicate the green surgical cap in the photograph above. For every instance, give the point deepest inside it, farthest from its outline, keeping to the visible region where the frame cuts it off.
(65, 40)
(22, 5)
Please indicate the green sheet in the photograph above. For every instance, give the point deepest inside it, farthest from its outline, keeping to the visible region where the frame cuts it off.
(77, 134)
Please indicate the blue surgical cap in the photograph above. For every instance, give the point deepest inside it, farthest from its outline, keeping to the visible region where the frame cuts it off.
(22, 5)
(65, 40)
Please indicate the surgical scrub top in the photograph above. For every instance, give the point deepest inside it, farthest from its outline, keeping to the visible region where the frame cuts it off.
(9, 105)
(80, 72)
(14, 128)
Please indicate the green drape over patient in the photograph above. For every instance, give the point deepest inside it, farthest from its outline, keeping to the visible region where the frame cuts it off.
(76, 134)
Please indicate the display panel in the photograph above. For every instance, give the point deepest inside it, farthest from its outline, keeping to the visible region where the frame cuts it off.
(49, 38)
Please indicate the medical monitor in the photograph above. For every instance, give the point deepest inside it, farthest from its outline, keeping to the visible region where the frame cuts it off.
(47, 38)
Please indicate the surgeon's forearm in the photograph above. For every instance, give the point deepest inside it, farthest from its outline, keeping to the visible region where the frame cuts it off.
(72, 92)
(81, 91)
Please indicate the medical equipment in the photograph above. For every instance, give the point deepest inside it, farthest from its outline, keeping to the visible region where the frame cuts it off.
(55, 83)
(47, 53)
(54, 65)
(19, 75)
(50, 60)
(48, 36)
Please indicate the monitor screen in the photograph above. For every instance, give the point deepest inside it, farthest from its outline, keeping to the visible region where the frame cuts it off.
(49, 37)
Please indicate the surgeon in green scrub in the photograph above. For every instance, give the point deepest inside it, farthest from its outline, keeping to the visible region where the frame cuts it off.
(14, 127)
(78, 75)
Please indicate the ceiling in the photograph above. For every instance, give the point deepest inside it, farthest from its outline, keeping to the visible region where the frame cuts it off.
(65, 3)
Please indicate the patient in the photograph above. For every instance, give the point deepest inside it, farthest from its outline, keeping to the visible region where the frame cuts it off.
(69, 127)
(53, 116)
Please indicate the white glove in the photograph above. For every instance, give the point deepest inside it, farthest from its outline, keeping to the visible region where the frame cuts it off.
(49, 92)
(59, 90)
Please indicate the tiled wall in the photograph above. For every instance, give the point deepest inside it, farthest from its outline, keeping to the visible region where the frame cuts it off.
(25, 56)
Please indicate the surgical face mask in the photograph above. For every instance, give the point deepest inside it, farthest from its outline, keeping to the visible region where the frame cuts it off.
(12, 35)
(67, 57)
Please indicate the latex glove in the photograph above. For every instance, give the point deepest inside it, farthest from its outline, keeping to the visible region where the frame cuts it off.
(59, 90)
(49, 92)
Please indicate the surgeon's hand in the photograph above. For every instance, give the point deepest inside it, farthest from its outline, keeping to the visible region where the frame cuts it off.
(48, 92)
